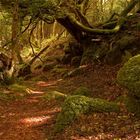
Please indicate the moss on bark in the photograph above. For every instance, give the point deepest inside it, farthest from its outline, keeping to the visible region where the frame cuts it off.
(76, 105)
(129, 76)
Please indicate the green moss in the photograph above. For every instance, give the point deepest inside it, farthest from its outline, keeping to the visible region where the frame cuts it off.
(129, 76)
(120, 99)
(101, 105)
(113, 56)
(88, 55)
(76, 105)
(132, 105)
(4, 97)
(126, 41)
(126, 56)
(60, 71)
(82, 91)
(17, 88)
(54, 95)
(9, 97)
(72, 107)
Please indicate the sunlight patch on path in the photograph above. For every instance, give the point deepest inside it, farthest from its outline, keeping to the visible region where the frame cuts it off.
(36, 121)
(40, 120)
(49, 83)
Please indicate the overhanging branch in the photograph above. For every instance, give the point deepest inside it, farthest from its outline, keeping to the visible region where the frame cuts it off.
(119, 24)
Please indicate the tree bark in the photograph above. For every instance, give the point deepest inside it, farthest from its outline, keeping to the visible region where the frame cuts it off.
(15, 34)
(77, 29)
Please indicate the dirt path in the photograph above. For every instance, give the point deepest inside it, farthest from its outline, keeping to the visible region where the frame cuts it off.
(26, 119)
(32, 118)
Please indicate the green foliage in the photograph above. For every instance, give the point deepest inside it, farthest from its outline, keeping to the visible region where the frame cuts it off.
(129, 76)
(5, 28)
(47, 8)
(76, 105)
(82, 91)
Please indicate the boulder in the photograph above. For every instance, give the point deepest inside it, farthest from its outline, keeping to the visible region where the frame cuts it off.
(129, 76)
(77, 105)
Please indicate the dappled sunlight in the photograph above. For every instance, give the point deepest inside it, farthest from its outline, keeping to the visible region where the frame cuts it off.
(43, 117)
(49, 83)
(30, 91)
(36, 121)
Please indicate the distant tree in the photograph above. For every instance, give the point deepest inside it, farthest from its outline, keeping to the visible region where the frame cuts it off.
(15, 33)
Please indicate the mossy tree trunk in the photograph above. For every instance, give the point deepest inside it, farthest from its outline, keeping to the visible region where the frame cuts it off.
(73, 25)
(84, 34)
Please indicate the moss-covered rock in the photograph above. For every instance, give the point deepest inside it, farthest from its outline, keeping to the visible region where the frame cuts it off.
(133, 105)
(95, 52)
(122, 47)
(82, 91)
(76, 105)
(101, 105)
(129, 76)
(113, 56)
(72, 107)
(126, 42)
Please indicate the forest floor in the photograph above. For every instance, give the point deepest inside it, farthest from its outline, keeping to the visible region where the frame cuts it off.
(32, 117)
